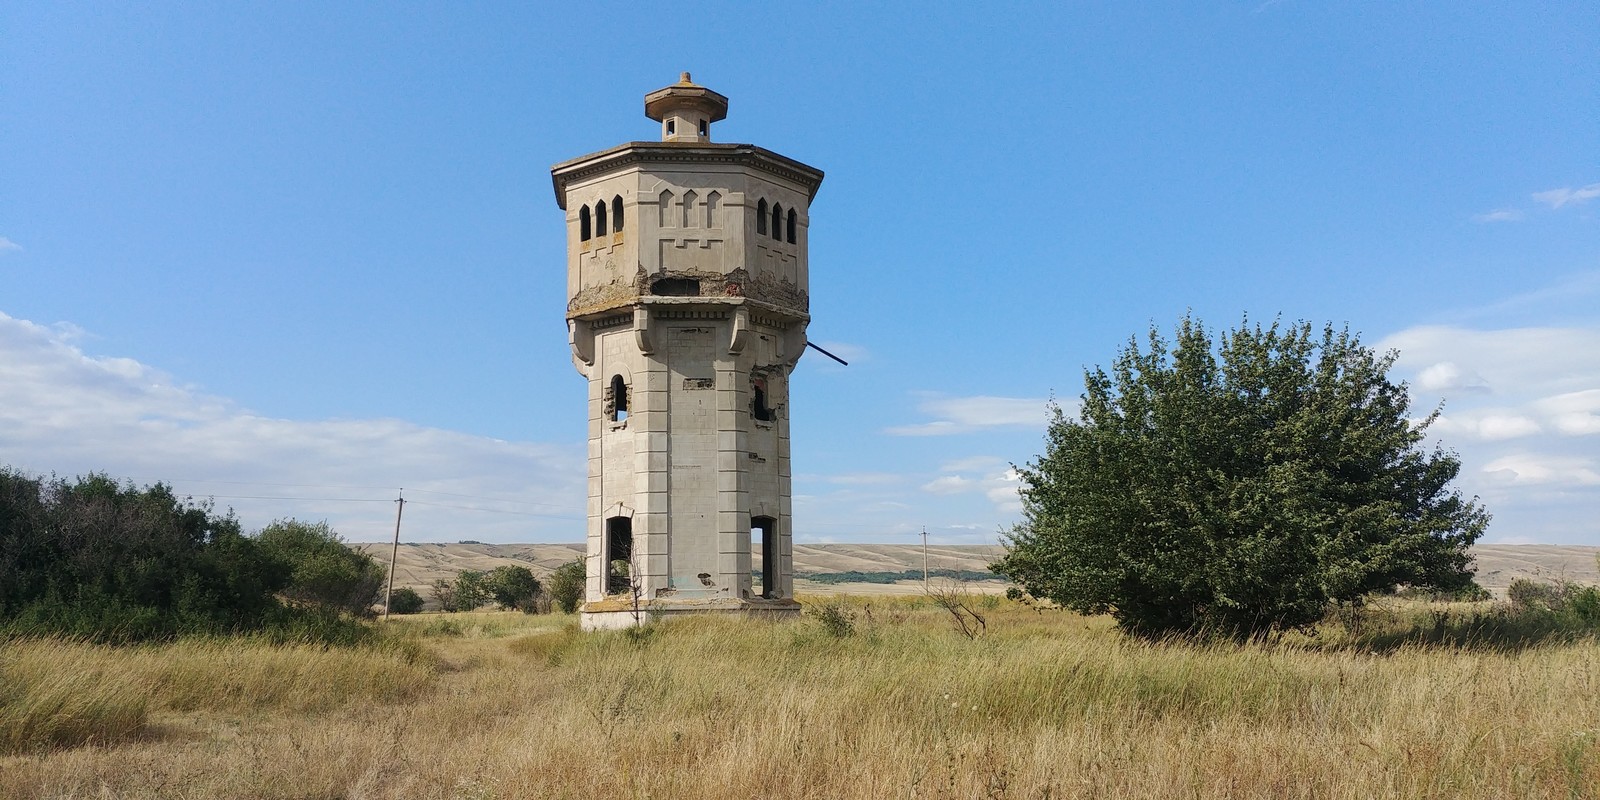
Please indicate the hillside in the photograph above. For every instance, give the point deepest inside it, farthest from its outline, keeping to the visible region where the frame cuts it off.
(421, 563)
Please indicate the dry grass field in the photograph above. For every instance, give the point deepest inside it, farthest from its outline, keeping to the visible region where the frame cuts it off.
(1045, 705)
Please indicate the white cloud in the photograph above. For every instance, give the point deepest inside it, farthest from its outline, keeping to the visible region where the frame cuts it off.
(955, 415)
(6, 245)
(64, 411)
(1498, 215)
(1556, 198)
(1533, 468)
(950, 484)
(1573, 413)
(1445, 376)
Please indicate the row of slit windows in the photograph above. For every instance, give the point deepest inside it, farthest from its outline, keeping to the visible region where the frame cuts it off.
(778, 219)
(683, 213)
(616, 400)
(590, 227)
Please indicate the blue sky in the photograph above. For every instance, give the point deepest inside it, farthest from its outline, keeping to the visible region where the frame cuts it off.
(296, 256)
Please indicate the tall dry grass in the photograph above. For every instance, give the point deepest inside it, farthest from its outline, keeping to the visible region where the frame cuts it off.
(1046, 705)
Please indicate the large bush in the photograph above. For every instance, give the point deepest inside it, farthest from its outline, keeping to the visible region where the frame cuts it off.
(96, 559)
(565, 585)
(1239, 487)
(324, 571)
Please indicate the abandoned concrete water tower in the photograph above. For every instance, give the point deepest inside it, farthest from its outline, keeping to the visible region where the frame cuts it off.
(687, 310)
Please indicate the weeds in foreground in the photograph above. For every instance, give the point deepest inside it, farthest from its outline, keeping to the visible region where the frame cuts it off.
(1045, 705)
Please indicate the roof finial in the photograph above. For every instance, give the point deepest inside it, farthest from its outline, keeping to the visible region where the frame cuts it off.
(684, 78)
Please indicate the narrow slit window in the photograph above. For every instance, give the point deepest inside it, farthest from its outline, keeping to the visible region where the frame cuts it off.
(777, 221)
(759, 407)
(761, 218)
(672, 127)
(583, 224)
(617, 399)
(600, 218)
(791, 226)
(688, 209)
(616, 215)
(704, 128)
(712, 200)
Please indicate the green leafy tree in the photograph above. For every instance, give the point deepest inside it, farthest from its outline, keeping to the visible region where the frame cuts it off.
(325, 572)
(566, 585)
(405, 600)
(471, 592)
(445, 593)
(1239, 487)
(513, 586)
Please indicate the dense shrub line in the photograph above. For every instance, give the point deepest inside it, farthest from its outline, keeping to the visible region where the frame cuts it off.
(106, 562)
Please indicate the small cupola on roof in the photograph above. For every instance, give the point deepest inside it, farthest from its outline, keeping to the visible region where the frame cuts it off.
(685, 110)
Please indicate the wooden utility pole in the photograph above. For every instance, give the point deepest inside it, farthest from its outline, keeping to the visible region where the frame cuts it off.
(924, 557)
(394, 554)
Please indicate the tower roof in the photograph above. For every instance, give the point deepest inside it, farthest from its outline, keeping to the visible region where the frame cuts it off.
(685, 94)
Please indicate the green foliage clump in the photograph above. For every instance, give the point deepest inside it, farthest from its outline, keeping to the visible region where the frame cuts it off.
(106, 562)
(837, 621)
(565, 585)
(323, 571)
(514, 586)
(1239, 487)
(405, 600)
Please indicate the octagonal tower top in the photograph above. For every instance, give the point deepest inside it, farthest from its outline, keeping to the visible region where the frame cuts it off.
(685, 110)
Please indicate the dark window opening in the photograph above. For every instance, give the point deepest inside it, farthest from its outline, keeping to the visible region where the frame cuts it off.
(619, 554)
(600, 218)
(764, 556)
(672, 127)
(703, 128)
(761, 217)
(617, 399)
(791, 226)
(777, 221)
(583, 224)
(676, 287)
(616, 216)
(758, 403)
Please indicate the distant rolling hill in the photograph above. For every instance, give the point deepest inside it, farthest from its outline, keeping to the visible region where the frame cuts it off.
(420, 563)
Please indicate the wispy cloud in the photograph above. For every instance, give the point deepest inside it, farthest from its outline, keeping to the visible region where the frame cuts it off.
(1521, 410)
(1499, 215)
(6, 245)
(955, 415)
(1565, 196)
(64, 411)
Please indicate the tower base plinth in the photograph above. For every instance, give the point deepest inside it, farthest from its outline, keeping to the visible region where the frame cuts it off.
(605, 615)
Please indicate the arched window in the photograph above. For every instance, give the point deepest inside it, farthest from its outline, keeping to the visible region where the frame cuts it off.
(583, 224)
(761, 217)
(688, 209)
(616, 214)
(617, 399)
(791, 226)
(711, 209)
(777, 221)
(664, 209)
(600, 218)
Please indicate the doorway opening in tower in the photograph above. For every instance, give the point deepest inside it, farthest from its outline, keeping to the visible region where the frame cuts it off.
(764, 540)
(619, 554)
